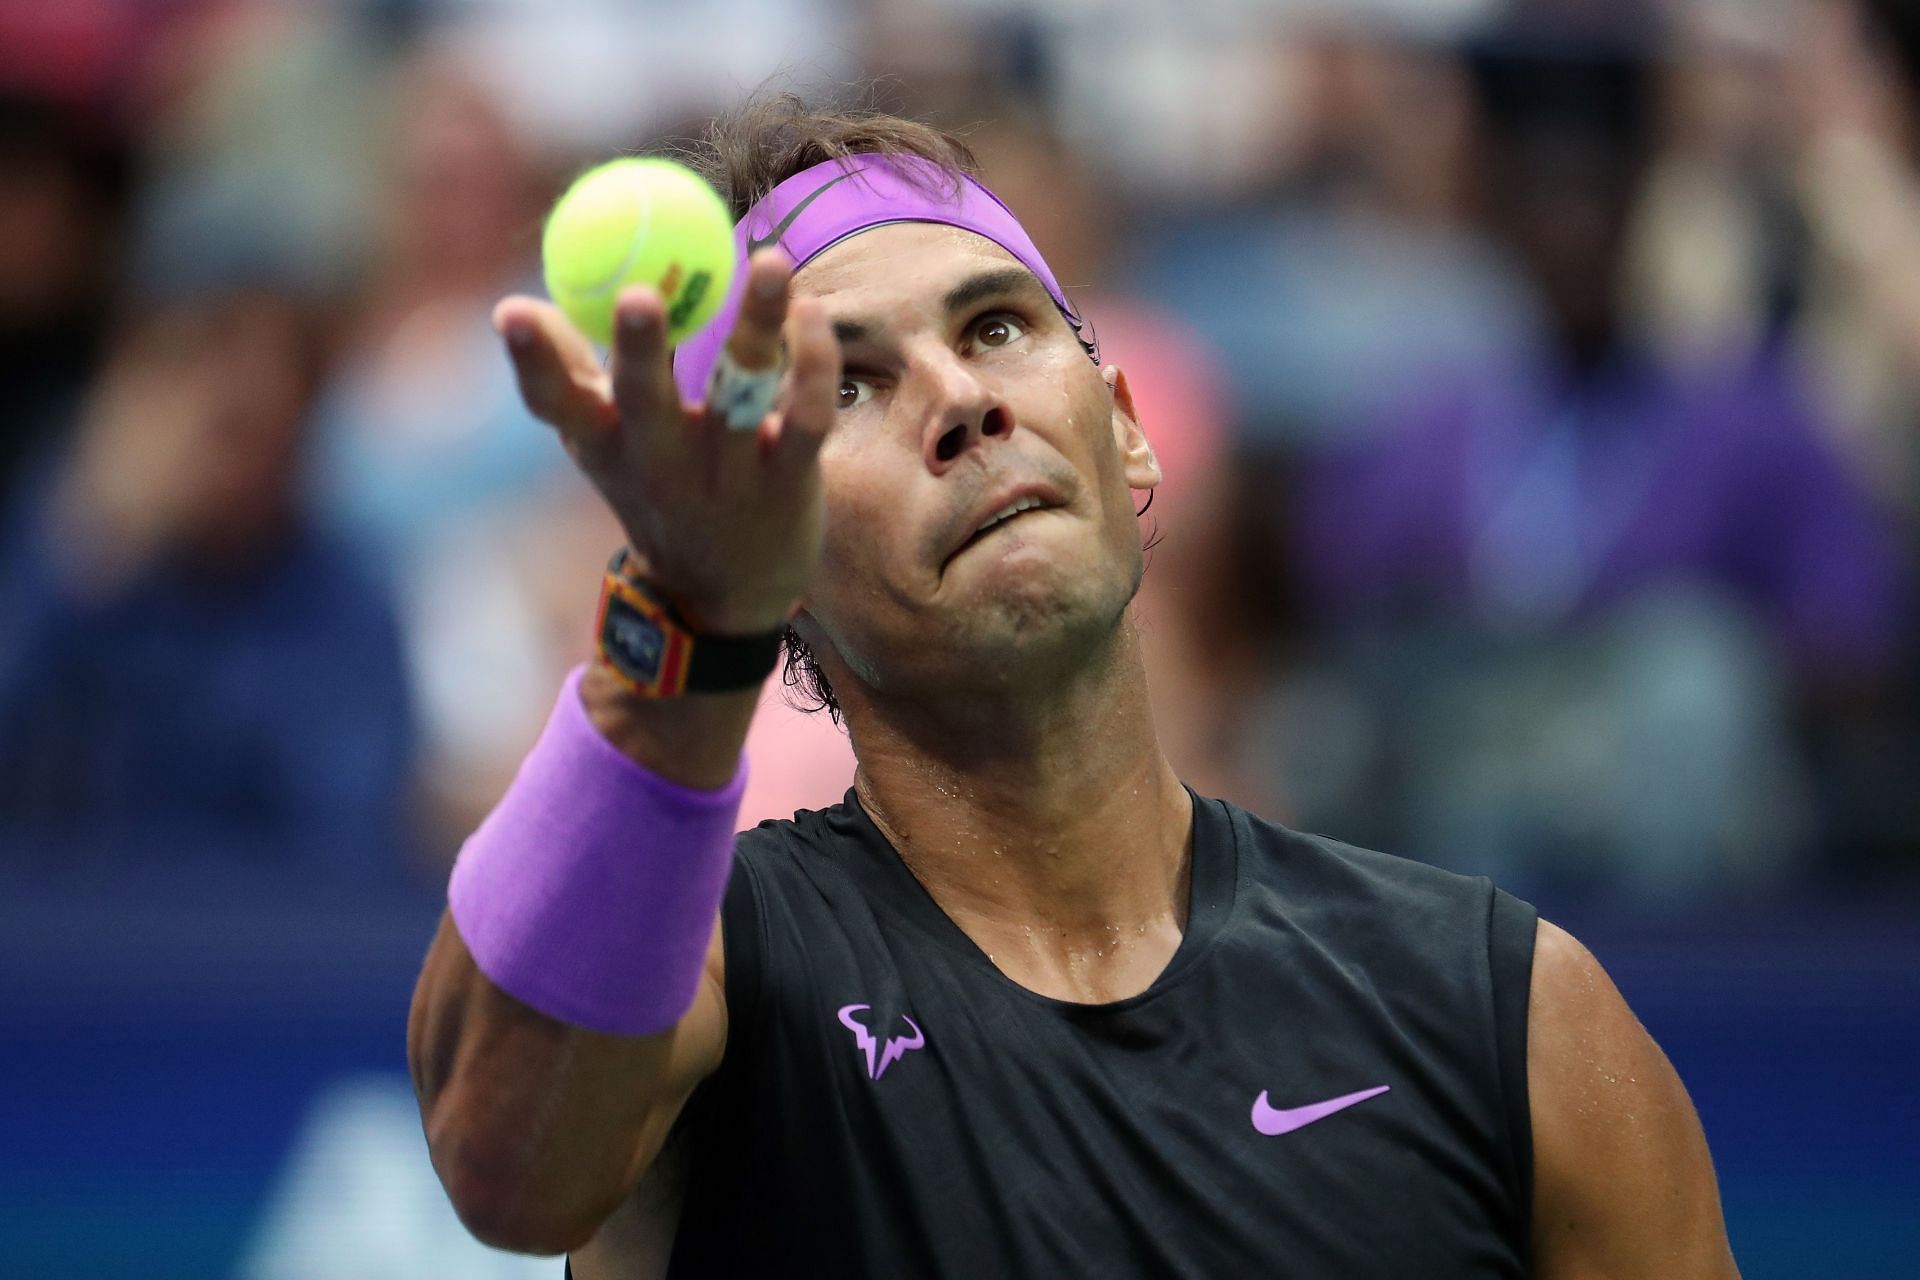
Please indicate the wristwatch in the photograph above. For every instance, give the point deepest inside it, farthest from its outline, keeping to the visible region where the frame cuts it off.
(645, 642)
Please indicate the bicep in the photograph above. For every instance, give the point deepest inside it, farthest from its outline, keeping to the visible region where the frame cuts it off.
(1623, 1182)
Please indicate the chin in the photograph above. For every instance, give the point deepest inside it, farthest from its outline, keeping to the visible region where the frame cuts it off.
(1042, 617)
(1027, 614)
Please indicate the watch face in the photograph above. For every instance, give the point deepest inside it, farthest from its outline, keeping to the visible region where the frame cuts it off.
(635, 643)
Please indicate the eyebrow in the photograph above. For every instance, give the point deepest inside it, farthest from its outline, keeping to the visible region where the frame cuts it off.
(998, 283)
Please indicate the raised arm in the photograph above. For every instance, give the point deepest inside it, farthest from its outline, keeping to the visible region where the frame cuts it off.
(540, 1128)
(1623, 1183)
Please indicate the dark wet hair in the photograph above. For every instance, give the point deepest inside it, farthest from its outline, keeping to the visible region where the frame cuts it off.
(748, 152)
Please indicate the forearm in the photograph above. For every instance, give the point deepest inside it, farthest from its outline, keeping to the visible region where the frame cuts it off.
(537, 1128)
(694, 741)
(538, 1125)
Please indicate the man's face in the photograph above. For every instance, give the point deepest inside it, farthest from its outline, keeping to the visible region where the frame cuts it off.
(964, 392)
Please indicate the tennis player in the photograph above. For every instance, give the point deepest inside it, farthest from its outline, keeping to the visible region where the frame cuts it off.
(1021, 1004)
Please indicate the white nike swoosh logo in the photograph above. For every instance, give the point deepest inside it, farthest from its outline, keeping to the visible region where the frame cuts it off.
(1273, 1121)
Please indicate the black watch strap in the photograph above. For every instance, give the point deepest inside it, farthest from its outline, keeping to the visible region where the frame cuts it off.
(642, 639)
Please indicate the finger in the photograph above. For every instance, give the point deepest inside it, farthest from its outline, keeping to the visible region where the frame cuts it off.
(813, 383)
(755, 340)
(559, 378)
(571, 345)
(643, 386)
(754, 355)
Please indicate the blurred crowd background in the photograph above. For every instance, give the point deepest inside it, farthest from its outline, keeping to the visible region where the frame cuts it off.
(1538, 388)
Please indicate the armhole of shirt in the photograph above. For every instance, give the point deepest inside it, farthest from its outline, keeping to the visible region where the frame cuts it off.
(1511, 925)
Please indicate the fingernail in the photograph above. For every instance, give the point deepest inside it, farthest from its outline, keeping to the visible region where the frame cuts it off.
(519, 335)
(635, 320)
(767, 288)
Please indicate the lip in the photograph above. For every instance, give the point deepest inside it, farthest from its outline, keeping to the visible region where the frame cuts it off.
(999, 499)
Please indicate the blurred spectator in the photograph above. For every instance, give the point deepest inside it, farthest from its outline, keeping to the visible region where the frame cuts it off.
(1786, 207)
(427, 461)
(1853, 94)
(1330, 286)
(1785, 201)
(568, 71)
(260, 123)
(65, 178)
(420, 425)
(187, 670)
(1582, 523)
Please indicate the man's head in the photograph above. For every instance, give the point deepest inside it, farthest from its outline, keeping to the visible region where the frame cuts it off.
(967, 390)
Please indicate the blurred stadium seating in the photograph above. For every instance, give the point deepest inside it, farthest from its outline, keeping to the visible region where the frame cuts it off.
(1540, 391)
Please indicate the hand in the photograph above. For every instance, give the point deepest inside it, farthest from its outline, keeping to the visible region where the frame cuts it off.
(727, 523)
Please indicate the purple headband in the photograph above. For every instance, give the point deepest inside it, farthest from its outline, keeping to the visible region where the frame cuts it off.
(819, 207)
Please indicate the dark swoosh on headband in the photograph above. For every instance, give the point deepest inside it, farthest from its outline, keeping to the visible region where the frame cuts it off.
(757, 243)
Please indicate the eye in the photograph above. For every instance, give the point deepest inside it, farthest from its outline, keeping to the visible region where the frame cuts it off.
(997, 330)
(854, 391)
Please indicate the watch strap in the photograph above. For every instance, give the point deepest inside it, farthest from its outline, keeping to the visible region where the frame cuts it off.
(642, 638)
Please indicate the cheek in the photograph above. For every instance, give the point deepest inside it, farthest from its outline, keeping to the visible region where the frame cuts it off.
(844, 482)
(860, 529)
(1096, 431)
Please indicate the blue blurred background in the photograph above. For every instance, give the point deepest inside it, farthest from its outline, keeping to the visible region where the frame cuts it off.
(1538, 389)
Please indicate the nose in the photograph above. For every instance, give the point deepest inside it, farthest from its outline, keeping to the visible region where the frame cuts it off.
(963, 413)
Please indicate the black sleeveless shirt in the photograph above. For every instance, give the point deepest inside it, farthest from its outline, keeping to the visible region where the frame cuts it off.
(1327, 1080)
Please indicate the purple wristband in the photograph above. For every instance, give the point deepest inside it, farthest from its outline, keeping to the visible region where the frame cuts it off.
(590, 890)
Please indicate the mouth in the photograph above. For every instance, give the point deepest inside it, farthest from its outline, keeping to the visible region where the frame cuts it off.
(1000, 518)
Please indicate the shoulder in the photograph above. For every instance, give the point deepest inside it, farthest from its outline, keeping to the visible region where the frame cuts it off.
(1426, 936)
(1436, 962)
(1624, 1184)
(1322, 875)
(1593, 1066)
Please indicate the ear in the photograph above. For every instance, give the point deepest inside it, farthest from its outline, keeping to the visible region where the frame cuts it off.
(1136, 454)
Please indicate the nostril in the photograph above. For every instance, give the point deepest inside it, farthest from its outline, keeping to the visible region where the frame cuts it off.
(994, 424)
(949, 446)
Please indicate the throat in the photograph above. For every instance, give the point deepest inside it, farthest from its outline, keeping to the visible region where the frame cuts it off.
(1045, 824)
(1118, 963)
(1085, 916)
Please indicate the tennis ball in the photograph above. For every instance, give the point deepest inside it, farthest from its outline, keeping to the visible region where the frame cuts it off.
(639, 220)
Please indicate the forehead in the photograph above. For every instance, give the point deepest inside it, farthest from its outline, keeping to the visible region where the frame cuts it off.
(900, 264)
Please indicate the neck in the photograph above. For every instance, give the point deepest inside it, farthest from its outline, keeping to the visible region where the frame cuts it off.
(1046, 824)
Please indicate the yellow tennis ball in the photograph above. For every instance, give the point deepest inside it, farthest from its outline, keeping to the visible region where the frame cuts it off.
(640, 220)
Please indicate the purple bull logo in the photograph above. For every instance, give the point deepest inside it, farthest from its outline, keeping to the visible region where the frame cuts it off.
(879, 1057)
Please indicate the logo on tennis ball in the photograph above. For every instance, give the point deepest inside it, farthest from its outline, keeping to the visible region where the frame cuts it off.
(639, 220)
(688, 303)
